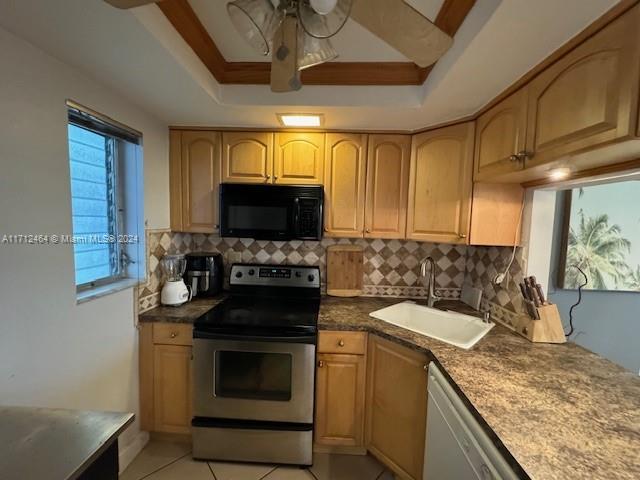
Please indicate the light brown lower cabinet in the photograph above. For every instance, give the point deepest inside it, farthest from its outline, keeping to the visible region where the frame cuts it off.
(340, 391)
(165, 378)
(396, 406)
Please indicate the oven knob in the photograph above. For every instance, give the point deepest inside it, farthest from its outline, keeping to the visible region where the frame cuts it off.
(298, 274)
(252, 272)
(311, 278)
(238, 274)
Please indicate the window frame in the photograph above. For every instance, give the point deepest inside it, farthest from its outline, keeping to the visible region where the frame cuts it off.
(116, 132)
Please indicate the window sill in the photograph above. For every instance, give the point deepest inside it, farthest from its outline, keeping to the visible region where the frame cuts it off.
(103, 290)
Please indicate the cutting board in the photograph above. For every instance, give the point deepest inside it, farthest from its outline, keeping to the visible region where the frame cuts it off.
(344, 270)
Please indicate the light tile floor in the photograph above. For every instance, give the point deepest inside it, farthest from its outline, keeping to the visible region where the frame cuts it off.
(172, 461)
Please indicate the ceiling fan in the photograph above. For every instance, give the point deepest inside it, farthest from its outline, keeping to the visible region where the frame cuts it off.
(296, 33)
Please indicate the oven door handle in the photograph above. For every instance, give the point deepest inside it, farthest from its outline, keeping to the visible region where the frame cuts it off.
(307, 339)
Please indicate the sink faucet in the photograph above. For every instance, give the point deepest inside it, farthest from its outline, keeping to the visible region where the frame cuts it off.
(432, 298)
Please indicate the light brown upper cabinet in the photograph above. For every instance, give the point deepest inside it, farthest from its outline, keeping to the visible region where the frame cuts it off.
(497, 214)
(299, 158)
(247, 157)
(440, 185)
(500, 137)
(589, 97)
(194, 180)
(388, 159)
(396, 406)
(344, 184)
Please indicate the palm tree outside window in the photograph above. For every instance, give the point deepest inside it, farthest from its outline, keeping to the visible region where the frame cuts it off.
(601, 236)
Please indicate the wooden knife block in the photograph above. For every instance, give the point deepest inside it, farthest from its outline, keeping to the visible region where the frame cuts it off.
(546, 330)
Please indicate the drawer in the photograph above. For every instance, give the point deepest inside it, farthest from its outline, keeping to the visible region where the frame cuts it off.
(172, 334)
(342, 342)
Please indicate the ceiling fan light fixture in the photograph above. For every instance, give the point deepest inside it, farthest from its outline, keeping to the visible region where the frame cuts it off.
(321, 25)
(255, 21)
(300, 119)
(314, 51)
(323, 7)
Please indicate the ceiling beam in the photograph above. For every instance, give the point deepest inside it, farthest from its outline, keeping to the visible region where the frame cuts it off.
(188, 25)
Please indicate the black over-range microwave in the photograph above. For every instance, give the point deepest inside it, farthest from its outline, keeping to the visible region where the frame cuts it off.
(271, 212)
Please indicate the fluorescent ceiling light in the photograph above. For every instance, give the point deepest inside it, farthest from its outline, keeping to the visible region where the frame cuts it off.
(300, 119)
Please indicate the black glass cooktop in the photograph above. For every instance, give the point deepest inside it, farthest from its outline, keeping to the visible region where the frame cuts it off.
(261, 316)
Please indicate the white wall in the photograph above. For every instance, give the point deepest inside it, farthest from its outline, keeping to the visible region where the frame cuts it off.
(53, 352)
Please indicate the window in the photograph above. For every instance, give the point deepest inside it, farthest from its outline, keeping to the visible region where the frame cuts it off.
(602, 237)
(99, 154)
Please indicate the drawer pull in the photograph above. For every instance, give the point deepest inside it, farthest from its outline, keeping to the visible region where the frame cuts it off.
(320, 364)
(173, 335)
(425, 367)
(341, 343)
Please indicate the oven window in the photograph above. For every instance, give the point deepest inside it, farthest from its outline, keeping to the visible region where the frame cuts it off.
(253, 375)
(255, 217)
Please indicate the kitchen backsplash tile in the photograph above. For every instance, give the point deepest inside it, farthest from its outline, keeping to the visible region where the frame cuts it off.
(483, 264)
(391, 267)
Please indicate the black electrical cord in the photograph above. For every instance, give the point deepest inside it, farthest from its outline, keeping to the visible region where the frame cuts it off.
(586, 281)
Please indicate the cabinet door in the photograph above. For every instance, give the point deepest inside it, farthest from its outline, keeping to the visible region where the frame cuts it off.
(440, 185)
(299, 158)
(200, 181)
(344, 185)
(589, 97)
(340, 400)
(172, 388)
(247, 157)
(497, 214)
(396, 406)
(501, 133)
(388, 159)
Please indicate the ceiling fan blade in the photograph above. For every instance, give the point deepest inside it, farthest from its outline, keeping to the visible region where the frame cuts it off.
(285, 76)
(124, 4)
(403, 28)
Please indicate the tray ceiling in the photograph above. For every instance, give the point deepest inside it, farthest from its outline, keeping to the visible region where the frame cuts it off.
(353, 42)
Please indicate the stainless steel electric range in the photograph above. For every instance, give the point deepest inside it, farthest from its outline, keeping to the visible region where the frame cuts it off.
(254, 367)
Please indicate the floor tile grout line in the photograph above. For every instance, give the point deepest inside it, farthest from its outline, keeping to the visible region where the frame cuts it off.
(212, 472)
(308, 469)
(268, 473)
(165, 466)
(384, 470)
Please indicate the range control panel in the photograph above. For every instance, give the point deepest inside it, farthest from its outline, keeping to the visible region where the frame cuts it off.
(274, 275)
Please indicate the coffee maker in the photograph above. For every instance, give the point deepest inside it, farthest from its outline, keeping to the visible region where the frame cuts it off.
(205, 274)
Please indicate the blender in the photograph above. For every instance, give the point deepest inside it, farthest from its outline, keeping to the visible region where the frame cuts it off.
(174, 292)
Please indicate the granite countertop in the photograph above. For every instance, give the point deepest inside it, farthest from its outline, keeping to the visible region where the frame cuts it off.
(186, 313)
(54, 443)
(558, 411)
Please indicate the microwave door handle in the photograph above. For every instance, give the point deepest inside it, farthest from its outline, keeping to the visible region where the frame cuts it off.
(296, 216)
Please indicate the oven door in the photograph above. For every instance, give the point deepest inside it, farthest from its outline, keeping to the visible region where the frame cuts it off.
(262, 379)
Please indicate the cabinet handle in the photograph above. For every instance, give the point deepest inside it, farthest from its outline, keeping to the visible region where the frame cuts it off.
(268, 177)
(275, 177)
(341, 343)
(368, 231)
(521, 156)
(425, 367)
(216, 226)
(462, 235)
(320, 364)
(173, 335)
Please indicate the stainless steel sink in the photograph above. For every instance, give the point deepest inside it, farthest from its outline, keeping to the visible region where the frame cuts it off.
(457, 329)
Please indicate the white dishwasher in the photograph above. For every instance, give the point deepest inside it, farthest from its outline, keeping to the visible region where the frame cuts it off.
(456, 445)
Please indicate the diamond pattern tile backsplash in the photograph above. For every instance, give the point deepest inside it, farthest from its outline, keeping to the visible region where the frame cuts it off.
(483, 264)
(391, 267)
